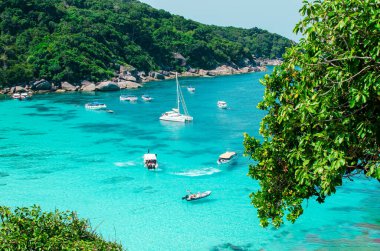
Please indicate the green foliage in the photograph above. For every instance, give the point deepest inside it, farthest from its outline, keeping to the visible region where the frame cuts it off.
(72, 40)
(32, 229)
(323, 104)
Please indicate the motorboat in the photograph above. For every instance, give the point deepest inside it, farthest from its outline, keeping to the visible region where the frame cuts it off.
(150, 161)
(25, 96)
(175, 115)
(222, 104)
(191, 89)
(130, 98)
(16, 96)
(95, 106)
(226, 157)
(196, 196)
(146, 98)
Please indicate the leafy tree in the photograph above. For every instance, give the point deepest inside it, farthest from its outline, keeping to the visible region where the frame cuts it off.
(32, 229)
(323, 104)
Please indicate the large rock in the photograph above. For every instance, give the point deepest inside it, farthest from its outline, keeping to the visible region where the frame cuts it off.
(68, 87)
(157, 75)
(41, 85)
(224, 70)
(107, 86)
(88, 87)
(17, 89)
(128, 85)
(130, 78)
(203, 72)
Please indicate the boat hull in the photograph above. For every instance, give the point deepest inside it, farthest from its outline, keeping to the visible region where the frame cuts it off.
(176, 118)
(191, 197)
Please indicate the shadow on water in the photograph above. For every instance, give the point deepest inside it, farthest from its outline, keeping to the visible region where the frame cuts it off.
(42, 108)
(117, 179)
(98, 127)
(231, 247)
(202, 201)
(142, 189)
(3, 174)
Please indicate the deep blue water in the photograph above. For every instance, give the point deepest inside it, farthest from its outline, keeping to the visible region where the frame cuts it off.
(56, 154)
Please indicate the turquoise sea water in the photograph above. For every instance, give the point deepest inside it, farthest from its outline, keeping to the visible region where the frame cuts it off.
(56, 154)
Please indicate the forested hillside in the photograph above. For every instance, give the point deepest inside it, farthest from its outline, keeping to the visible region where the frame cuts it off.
(73, 40)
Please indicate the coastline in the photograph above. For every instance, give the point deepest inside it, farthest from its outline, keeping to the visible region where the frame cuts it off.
(130, 78)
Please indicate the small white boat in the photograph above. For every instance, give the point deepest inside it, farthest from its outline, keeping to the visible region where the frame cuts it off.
(191, 89)
(150, 161)
(146, 98)
(95, 106)
(130, 98)
(175, 115)
(196, 196)
(16, 96)
(226, 157)
(25, 96)
(222, 104)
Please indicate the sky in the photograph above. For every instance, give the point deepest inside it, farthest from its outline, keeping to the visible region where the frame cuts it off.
(276, 16)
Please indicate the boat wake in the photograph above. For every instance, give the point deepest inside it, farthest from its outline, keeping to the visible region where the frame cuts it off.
(125, 164)
(198, 172)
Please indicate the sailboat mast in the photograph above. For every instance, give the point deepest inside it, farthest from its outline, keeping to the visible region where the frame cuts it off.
(176, 79)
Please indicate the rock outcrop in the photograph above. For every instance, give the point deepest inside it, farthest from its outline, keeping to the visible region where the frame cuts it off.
(17, 89)
(128, 85)
(41, 85)
(107, 86)
(68, 87)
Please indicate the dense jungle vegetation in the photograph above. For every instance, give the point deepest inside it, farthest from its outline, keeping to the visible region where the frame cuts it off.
(73, 40)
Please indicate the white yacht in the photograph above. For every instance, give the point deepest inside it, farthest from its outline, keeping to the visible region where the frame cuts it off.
(25, 96)
(146, 98)
(16, 95)
(95, 106)
(130, 98)
(191, 89)
(150, 161)
(222, 104)
(226, 157)
(175, 114)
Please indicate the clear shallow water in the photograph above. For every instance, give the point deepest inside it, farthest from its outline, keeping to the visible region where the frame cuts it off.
(56, 154)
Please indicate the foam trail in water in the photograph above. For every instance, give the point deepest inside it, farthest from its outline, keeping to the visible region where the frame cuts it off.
(198, 172)
(127, 163)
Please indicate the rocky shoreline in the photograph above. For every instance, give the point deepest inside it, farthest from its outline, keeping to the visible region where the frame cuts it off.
(127, 78)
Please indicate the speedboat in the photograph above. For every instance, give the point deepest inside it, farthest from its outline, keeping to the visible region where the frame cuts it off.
(25, 96)
(196, 196)
(146, 98)
(130, 98)
(150, 161)
(226, 157)
(222, 104)
(175, 115)
(16, 96)
(191, 89)
(95, 106)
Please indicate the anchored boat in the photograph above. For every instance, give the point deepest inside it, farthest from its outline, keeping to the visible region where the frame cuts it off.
(196, 196)
(146, 98)
(130, 98)
(191, 89)
(226, 157)
(222, 104)
(150, 161)
(174, 114)
(95, 106)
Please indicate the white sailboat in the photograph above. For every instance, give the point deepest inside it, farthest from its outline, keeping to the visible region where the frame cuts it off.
(174, 114)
